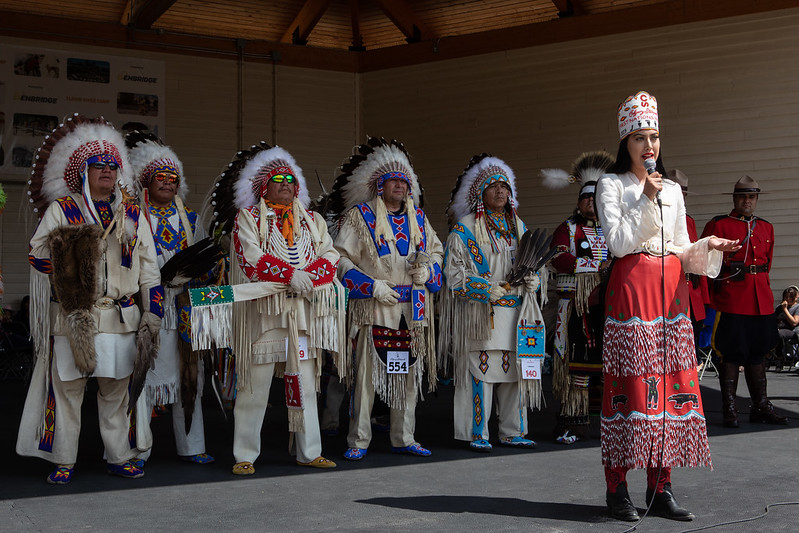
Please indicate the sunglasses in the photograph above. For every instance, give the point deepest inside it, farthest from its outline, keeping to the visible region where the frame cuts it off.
(100, 165)
(280, 178)
(168, 177)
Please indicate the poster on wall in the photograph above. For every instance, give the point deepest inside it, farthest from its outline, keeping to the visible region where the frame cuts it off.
(39, 87)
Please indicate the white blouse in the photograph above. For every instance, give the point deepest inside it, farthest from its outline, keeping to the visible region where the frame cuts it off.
(632, 223)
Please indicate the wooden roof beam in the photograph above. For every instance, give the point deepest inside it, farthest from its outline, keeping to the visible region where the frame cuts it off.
(355, 16)
(305, 21)
(405, 20)
(568, 8)
(142, 14)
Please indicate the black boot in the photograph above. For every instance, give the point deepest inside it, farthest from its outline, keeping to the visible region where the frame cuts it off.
(728, 379)
(666, 506)
(762, 410)
(620, 506)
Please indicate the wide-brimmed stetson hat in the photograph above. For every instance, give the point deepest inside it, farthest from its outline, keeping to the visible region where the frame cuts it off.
(678, 176)
(746, 185)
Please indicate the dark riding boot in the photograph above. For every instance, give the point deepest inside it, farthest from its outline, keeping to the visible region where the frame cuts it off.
(620, 506)
(728, 379)
(666, 506)
(762, 410)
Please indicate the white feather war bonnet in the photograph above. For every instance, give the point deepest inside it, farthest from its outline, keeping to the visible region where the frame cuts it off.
(363, 176)
(467, 196)
(585, 172)
(149, 156)
(61, 164)
(243, 185)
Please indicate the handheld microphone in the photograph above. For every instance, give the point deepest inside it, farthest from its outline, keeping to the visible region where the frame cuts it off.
(650, 166)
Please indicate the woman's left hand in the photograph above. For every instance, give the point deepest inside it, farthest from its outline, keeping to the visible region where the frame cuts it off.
(723, 245)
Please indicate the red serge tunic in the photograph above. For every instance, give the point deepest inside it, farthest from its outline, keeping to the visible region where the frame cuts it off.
(751, 295)
(698, 291)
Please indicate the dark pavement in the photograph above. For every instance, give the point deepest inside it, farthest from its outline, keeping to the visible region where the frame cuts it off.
(553, 488)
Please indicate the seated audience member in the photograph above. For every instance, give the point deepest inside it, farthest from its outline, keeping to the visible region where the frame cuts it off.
(787, 314)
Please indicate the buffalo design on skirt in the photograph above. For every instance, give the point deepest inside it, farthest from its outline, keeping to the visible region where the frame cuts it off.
(652, 404)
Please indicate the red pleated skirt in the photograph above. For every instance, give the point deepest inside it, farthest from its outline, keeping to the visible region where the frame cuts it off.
(652, 406)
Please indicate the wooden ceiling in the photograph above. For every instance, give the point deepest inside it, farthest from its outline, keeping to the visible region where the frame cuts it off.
(354, 35)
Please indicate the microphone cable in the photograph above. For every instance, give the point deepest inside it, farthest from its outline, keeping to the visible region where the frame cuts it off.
(663, 418)
(663, 370)
(741, 520)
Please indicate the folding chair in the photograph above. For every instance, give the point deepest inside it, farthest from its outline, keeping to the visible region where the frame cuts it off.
(788, 354)
(704, 347)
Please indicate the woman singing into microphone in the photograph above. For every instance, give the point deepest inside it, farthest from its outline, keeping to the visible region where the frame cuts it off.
(652, 414)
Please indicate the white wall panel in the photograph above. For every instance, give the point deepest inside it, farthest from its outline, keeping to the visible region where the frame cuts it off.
(316, 121)
(728, 93)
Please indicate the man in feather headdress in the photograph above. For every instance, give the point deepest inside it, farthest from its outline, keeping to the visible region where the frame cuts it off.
(177, 378)
(481, 311)
(97, 253)
(284, 264)
(391, 263)
(581, 255)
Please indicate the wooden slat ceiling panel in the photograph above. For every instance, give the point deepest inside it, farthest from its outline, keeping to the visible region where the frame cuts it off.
(246, 19)
(96, 10)
(601, 6)
(376, 33)
(268, 20)
(334, 29)
(454, 17)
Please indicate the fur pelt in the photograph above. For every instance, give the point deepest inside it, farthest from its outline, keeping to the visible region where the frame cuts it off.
(147, 343)
(75, 253)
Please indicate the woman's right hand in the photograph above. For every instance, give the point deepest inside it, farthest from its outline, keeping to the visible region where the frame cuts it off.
(653, 184)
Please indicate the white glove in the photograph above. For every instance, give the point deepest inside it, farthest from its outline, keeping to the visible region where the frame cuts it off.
(384, 294)
(420, 274)
(531, 282)
(301, 282)
(495, 293)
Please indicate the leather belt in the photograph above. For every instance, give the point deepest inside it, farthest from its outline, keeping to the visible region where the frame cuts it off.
(107, 302)
(747, 269)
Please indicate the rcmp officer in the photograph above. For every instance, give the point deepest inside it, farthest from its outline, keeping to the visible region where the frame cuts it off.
(746, 329)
